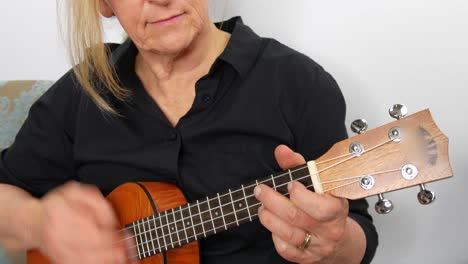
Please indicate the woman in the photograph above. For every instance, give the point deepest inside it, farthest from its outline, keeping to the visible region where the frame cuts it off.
(187, 102)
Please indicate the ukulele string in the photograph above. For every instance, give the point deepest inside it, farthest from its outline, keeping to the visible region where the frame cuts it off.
(147, 220)
(207, 221)
(264, 181)
(332, 159)
(341, 186)
(354, 156)
(193, 236)
(180, 241)
(355, 177)
(223, 195)
(267, 180)
(200, 213)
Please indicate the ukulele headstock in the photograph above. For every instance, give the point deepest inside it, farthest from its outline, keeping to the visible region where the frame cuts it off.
(407, 152)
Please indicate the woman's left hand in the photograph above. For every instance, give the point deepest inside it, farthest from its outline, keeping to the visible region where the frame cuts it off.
(305, 213)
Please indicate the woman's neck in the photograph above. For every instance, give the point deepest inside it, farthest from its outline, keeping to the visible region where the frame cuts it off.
(186, 66)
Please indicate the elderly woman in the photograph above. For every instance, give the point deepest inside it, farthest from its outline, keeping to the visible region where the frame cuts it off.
(183, 100)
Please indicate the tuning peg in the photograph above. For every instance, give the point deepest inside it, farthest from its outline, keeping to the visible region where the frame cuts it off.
(398, 111)
(425, 196)
(383, 206)
(359, 126)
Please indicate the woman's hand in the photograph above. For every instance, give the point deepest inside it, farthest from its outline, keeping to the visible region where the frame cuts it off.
(77, 225)
(305, 213)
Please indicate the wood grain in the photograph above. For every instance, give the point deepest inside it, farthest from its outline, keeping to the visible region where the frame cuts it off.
(413, 149)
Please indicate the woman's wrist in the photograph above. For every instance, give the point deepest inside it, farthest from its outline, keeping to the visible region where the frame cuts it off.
(28, 223)
(352, 247)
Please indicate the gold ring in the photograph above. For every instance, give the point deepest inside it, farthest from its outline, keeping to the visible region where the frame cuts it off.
(306, 242)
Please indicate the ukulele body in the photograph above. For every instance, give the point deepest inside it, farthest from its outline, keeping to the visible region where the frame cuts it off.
(131, 203)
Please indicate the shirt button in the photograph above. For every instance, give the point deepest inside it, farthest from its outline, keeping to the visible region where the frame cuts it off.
(173, 136)
(206, 98)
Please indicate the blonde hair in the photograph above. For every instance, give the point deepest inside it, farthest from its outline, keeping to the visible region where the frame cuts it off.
(88, 54)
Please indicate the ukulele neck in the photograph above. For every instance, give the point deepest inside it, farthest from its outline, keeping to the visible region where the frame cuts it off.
(209, 216)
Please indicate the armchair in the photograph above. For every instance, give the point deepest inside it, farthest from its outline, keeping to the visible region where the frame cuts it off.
(16, 97)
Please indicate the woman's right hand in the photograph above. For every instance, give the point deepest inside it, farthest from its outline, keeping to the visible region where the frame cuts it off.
(77, 225)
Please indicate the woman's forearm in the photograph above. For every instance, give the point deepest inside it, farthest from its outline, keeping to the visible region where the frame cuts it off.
(18, 218)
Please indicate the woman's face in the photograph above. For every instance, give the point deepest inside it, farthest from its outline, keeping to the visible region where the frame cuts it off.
(166, 26)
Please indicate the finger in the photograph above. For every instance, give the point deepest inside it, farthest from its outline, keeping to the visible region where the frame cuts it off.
(287, 158)
(281, 206)
(288, 251)
(58, 215)
(123, 255)
(105, 247)
(89, 198)
(85, 238)
(129, 243)
(83, 229)
(320, 207)
(111, 255)
(111, 242)
(287, 232)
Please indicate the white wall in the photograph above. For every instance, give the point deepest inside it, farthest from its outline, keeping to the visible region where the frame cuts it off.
(31, 46)
(381, 52)
(384, 52)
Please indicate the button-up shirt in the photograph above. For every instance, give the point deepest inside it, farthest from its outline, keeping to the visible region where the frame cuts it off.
(258, 94)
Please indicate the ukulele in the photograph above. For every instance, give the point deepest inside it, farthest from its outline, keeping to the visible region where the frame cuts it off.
(165, 228)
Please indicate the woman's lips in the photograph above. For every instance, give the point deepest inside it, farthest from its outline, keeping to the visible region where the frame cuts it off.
(167, 21)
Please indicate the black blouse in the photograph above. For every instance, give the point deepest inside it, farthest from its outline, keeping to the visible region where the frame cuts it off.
(258, 94)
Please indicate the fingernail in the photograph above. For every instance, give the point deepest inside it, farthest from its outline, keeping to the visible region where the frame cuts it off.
(260, 209)
(257, 191)
(289, 186)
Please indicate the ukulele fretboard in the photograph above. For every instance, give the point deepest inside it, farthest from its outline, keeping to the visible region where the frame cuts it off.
(208, 216)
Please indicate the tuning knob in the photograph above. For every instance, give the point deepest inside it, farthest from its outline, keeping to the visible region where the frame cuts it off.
(359, 126)
(383, 206)
(398, 111)
(425, 196)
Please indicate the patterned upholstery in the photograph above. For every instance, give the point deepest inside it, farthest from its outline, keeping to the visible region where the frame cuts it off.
(3, 260)
(16, 97)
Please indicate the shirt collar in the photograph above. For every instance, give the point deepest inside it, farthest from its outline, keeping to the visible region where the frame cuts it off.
(243, 46)
(241, 51)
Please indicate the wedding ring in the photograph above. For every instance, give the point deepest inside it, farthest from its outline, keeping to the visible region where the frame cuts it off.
(306, 242)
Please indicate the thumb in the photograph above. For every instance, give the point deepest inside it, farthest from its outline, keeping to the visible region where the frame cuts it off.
(287, 158)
